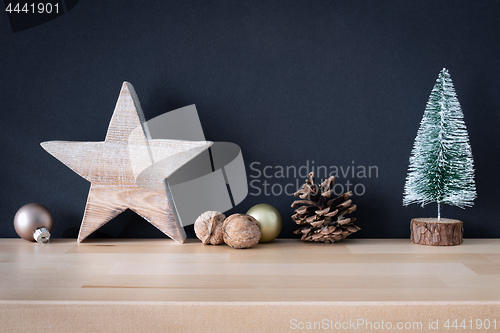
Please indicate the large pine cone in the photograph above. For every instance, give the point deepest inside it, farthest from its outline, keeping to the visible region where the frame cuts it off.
(322, 219)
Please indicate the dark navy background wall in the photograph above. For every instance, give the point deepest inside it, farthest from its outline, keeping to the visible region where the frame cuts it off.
(289, 81)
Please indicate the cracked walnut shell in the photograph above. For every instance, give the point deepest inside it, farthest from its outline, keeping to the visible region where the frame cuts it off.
(241, 231)
(208, 227)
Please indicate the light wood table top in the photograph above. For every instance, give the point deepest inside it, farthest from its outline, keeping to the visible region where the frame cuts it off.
(157, 283)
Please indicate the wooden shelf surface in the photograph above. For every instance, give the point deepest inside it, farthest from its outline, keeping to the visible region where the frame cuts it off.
(108, 285)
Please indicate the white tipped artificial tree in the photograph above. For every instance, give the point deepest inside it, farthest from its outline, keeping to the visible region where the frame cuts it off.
(441, 166)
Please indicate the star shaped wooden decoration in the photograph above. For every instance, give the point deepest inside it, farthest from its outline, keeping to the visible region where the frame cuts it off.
(128, 169)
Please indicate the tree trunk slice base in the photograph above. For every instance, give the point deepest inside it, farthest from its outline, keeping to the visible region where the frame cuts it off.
(431, 231)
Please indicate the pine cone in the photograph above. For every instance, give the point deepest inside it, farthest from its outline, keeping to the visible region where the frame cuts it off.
(322, 219)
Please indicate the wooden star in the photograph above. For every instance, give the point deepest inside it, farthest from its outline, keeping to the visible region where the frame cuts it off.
(128, 169)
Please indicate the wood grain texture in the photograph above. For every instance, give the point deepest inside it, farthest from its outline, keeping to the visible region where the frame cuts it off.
(128, 169)
(141, 285)
(431, 231)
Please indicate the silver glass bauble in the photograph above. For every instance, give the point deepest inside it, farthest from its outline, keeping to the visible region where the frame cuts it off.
(33, 222)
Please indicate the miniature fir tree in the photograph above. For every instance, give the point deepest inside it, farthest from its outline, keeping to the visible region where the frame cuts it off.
(441, 167)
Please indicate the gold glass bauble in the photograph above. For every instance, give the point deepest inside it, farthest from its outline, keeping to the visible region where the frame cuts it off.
(269, 219)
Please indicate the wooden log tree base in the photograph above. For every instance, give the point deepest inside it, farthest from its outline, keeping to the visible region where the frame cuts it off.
(431, 231)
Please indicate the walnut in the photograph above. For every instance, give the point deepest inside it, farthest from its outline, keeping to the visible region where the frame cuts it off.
(208, 227)
(241, 231)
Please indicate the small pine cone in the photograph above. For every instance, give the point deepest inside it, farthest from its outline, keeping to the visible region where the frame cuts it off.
(320, 218)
